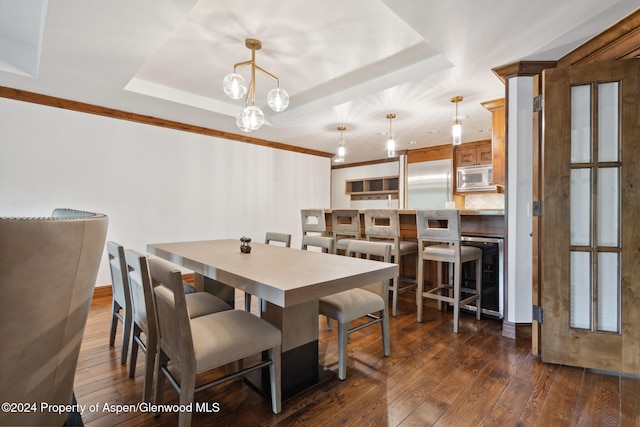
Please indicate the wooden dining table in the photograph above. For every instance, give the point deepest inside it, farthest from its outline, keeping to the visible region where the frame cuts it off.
(288, 281)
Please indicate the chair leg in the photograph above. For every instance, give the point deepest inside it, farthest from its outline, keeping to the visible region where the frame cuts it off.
(440, 283)
(274, 374)
(456, 296)
(126, 337)
(420, 289)
(134, 350)
(479, 288)
(329, 326)
(187, 391)
(149, 367)
(385, 332)
(343, 332)
(115, 307)
(163, 360)
(394, 297)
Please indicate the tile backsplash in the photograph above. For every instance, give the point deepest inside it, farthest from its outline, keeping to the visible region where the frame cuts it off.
(484, 201)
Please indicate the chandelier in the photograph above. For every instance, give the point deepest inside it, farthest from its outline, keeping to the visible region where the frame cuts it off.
(341, 150)
(391, 143)
(456, 130)
(235, 86)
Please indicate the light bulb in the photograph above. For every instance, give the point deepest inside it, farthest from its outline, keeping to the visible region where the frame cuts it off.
(456, 132)
(235, 86)
(391, 147)
(252, 117)
(278, 99)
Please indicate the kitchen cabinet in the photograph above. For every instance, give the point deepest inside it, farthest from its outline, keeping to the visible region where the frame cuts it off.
(497, 109)
(473, 155)
(372, 188)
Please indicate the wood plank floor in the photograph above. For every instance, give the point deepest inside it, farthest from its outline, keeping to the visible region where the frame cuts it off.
(432, 378)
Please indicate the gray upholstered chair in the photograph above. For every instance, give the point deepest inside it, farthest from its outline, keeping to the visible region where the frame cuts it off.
(144, 314)
(313, 221)
(360, 302)
(121, 298)
(442, 226)
(196, 345)
(345, 225)
(384, 225)
(270, 238)
(325, 243)
(49, 267)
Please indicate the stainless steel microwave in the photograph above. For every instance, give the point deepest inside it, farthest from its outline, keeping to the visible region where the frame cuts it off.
(475, 178)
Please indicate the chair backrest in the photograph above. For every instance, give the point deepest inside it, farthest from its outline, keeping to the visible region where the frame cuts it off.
(278, 237)
(49, 268)
(345, 222)
(119, 276)
(438, 225)
(173, 318)
(313, 221)
(379, 250)
(142, 303)
(382, 223)
(323, 242)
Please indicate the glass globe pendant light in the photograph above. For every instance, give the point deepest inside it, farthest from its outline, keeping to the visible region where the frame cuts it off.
(235, 86)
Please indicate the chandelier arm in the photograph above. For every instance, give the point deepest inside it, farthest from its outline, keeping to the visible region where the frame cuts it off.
(243, 63)
(265, 72)
(251, 94)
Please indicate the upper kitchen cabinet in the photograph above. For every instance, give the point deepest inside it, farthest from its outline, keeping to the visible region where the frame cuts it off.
(497, 139)
(473, 154)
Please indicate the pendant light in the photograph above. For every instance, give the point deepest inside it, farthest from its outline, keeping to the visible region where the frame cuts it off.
(391, 143)
(456, 130)
(341, 150)
(235, 86)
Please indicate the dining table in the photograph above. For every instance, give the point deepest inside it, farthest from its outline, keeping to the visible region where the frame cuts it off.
(289, 283)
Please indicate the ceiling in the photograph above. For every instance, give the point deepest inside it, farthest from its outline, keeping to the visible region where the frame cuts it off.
(342, 62)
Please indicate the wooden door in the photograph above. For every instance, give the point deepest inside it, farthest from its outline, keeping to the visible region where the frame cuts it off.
(591, 216)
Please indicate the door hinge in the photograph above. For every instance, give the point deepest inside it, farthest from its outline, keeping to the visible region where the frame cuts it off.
(537, 314)
(538, 103)
(537, 208)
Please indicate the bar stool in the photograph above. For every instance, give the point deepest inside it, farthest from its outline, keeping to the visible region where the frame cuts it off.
(443, 227)
(345, 225)
(384, 225)
(313, 221)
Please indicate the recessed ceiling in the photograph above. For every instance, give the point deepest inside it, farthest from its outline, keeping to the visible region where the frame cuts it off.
(342, 62)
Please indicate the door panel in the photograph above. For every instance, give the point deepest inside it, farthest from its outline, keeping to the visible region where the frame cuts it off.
(591, 205)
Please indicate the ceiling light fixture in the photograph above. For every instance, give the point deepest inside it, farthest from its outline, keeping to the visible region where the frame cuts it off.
(235, 86)
(391, 143)
(340, 158)
(456, 130)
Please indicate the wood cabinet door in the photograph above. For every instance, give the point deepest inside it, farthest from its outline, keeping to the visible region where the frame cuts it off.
(590, 235)
(465, 156)
(484, 155)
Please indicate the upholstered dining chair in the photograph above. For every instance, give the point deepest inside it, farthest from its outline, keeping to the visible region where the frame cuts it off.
(121, 310)
(313, 221)
(144, 314)
(49, 267)
(353, 304)
(197, 345)
(270, 238)
(345, 225)
(442, 227)
(324, 243)
(384, 225)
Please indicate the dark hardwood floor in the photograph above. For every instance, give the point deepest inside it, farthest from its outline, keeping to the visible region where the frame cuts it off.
(433, 377)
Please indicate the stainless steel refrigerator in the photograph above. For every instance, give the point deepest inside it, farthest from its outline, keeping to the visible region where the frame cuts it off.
(429, 184)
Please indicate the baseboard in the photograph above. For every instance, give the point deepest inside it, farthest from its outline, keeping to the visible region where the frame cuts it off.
(516, 330)
(102, 291)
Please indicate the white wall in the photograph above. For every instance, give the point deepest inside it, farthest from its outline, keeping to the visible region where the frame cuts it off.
(519, 199)
(340, 200)
(155, 184)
